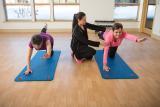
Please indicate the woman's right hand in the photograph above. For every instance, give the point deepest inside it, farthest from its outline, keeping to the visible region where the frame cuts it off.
(28, 71)
(46, 56)
(106, 68)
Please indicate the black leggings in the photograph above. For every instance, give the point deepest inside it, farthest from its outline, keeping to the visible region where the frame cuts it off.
(44, 30)
(52, 52)
(85, 52)
(112, 51)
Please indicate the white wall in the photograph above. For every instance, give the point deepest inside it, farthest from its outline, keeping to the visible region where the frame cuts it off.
(156, 23)
(97, 9)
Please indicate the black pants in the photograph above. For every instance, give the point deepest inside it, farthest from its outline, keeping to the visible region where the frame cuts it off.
(112, 51)
(100, 35)
(52, 52)
(85, 52)
(44, 30)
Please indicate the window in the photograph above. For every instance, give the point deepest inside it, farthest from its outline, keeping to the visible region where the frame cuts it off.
(65, 12)
(150, 13)
(18, 10)
(66, 1)
(42, 12)
(41, 9)
(126, 9)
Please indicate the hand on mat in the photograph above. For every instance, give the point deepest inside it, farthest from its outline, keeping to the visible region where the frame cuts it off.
(106, 68)
(141, 39)
(28, 71)
(46, 56)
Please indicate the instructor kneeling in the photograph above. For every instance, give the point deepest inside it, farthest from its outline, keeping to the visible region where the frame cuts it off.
(79, 43)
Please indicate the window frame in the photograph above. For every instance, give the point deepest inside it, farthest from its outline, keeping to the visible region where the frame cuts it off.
(15, 4)
(129, 4)
(42, 4)
(65, 5)
(33, 4)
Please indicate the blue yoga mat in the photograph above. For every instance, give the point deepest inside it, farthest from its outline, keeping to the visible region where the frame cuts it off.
(119, 69)
(42, 69)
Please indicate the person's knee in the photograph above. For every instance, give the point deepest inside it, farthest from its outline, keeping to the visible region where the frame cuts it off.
(93, 51)
(112, 52)
(112, 55)
(52, 52)
(89, 58)
(78, 56)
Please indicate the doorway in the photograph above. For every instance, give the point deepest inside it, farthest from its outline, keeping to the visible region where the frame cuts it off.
(148, 14)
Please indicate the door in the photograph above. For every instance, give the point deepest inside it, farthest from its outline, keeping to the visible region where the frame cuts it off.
(148, 14)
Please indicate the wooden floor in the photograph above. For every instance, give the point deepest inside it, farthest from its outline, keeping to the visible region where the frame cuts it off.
(79, 85)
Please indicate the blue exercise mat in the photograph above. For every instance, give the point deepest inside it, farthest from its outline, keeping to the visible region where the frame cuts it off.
(42, 69)
(119, 69)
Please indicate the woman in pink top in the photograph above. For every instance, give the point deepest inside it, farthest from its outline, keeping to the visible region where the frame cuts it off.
(113, 39)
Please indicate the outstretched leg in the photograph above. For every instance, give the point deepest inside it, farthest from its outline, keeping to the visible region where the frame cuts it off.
(44, 29)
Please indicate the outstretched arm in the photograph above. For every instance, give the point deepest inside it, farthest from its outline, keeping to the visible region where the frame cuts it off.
(134, 38)
(105, 56)
(93, 43)
(95, 27)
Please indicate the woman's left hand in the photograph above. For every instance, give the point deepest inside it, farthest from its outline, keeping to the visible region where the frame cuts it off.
(141, 39)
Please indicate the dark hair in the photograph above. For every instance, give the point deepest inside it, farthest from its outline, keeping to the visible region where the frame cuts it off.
(36, 39)
(80, 15)
(117, 26)
(77, 16)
